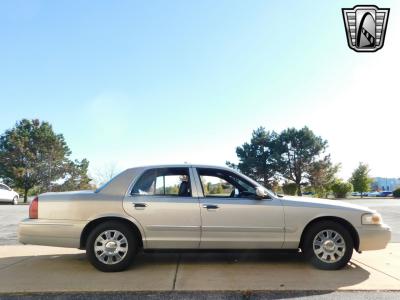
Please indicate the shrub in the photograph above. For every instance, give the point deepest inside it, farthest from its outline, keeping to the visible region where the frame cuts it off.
(341, 188)
(396, 193)
(289, 189)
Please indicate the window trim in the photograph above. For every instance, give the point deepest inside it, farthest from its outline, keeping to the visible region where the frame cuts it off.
(222, 171)
(157, 170)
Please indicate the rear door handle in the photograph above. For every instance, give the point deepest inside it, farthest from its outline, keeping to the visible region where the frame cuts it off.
(210, 206)
(139, 205)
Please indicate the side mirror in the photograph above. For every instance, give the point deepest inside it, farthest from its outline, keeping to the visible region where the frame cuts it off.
(260, 192)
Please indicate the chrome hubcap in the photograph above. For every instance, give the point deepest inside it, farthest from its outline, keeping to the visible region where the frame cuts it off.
(110, 247)
(329, 246)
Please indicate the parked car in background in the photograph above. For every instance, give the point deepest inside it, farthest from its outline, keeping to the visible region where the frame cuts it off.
(385, 194)
(308, 193)
(356, 194)
(198, 207)
(8, 195)
(373, 194)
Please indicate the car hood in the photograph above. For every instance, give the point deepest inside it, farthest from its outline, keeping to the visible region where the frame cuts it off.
(322, 203)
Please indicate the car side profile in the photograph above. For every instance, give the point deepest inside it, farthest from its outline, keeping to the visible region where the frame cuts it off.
(198, 207)
(8, 195)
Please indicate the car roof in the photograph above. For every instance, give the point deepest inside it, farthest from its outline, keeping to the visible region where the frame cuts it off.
(182, 166)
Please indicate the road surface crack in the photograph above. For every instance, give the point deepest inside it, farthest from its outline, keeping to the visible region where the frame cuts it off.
(176, 270)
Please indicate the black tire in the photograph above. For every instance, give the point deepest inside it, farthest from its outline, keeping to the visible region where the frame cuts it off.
(132, 246)
(318, 260)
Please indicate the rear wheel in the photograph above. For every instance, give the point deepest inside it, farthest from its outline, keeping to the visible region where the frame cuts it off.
(328, 245)
(111, 247)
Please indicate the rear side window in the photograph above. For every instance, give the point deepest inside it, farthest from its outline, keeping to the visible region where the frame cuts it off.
(164, 182)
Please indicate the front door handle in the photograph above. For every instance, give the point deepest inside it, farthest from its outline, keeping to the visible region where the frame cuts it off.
(210, 206)
(139, 205)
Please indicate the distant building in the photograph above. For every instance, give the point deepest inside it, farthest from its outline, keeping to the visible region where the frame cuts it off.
(385, 184)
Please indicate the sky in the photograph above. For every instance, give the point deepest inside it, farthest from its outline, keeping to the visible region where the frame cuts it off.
(133, 83)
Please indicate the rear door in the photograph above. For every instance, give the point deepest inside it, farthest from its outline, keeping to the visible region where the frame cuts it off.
(233, 217)
(164, 201)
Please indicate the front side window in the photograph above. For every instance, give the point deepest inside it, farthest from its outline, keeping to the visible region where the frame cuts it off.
(221, 183)
(164, 182)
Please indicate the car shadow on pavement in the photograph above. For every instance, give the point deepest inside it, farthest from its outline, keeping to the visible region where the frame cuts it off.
(205, 271)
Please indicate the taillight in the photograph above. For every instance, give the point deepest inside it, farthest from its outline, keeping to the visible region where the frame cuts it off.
(33, 208)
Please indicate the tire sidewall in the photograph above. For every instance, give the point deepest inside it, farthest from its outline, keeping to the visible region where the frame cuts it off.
(15, 200)
(132, 246)
(309, 251)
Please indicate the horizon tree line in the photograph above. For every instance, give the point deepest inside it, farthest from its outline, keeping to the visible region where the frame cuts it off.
(34, 159)
(295, 160)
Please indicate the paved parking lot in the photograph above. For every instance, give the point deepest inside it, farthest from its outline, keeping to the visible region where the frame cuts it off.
(10, 216)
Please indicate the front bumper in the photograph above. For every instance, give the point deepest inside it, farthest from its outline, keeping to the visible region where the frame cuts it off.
(373, 237)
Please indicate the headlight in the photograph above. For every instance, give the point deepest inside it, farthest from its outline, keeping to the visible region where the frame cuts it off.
(371, 219)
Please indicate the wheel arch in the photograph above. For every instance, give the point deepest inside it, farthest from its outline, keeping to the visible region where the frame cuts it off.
(353, 232)
(93, 223)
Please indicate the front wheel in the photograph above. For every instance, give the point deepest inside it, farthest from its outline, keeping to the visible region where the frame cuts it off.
(15, 200)
(328, 245)
(111, 247)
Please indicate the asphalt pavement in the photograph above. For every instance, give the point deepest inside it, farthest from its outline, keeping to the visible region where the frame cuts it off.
(10, 216)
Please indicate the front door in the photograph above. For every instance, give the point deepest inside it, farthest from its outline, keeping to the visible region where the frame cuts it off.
(164, 202)
(233, 217)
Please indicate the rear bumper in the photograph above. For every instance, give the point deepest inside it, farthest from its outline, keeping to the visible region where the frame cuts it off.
(57, 233)
(373, 237)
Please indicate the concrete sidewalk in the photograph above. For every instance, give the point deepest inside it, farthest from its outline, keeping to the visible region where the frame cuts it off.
(46, 269)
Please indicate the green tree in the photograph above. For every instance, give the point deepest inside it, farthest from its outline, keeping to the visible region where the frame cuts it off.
(360, 179)
(296, 151)
(76, 177)
(341, 188)
(321, 176)
(396, 193)
(33, 156)
(289, 188)
(255, 158)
